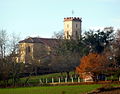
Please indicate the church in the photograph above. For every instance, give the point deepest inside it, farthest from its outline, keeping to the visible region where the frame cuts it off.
(33, 49)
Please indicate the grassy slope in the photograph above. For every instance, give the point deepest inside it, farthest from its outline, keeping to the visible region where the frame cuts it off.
(50, 90)
(49, 76)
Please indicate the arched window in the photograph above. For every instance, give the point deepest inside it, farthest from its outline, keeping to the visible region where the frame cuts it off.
(67, 34)
(28, 50)
(67, 25)
(76, 25)
(76, 33)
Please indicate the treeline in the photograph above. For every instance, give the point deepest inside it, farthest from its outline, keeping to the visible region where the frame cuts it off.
(8, 51)
(103, 57)
(96, 52)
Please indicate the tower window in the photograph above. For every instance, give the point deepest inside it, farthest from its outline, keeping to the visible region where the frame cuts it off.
(67, 34)
(76, 34)
(67, 25)
(76, 25)
(28, 50)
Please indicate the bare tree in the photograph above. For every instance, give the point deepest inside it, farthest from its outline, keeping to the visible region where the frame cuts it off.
(13, 47)
(66, 54)
(9, 69)
(3, 42)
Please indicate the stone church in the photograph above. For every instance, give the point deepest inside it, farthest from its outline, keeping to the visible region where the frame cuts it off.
(32, 49)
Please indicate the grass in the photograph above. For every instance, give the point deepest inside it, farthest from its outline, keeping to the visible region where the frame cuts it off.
(43, 77)
(51, 75)
(77, 89)
(35, 79)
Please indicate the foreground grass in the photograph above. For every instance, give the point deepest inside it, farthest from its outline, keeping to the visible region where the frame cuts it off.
(51, 90)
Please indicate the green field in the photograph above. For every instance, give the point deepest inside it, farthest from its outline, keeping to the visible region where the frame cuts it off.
(50, 90)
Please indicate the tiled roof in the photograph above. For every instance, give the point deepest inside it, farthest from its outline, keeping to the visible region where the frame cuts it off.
(47, 41)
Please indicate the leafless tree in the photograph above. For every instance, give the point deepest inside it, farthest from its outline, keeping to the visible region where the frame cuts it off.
(3, 42)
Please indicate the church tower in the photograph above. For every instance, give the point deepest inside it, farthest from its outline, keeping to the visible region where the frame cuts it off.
(72, 27)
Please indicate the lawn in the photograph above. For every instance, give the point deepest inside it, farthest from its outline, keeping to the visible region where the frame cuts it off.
(77, 89)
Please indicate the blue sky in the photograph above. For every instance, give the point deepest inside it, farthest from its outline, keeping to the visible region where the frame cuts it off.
(44, 17)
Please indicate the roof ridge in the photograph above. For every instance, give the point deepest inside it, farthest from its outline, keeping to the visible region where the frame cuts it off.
(35, 40)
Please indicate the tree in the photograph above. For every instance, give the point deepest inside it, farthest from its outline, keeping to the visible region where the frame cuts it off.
(96, 64)
(65, 63)
(4, 71)
(4, 68)
(96, 41)
(114, 50)
(3, 43)
(13, 44)
(66, 54)
(117, 47)
(58, 35)
(9, 69)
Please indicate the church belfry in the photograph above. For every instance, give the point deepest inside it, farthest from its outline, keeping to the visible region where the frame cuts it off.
(72, 27)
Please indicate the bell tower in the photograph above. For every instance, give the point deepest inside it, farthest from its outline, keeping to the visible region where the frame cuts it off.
(72, 27)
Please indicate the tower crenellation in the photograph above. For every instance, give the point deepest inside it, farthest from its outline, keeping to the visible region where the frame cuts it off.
(73, 19)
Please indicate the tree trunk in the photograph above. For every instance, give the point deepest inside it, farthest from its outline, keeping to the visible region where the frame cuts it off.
(68, 75)
(26, 81)
(62, 74)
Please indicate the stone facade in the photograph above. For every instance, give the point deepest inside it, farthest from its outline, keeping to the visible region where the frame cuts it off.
(34, 49)
(72, 27)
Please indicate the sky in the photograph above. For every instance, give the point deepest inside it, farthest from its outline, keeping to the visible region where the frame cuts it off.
(32, 18)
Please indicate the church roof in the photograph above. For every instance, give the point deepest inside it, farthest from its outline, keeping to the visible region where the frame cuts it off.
(47, 41)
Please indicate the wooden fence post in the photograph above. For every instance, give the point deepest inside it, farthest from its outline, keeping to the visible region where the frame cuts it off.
(59, 79)
(78, 79)
(40, 81)
(66, 80)
(46, 80)
(52, 80)
(105, 78)
(72, 79)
